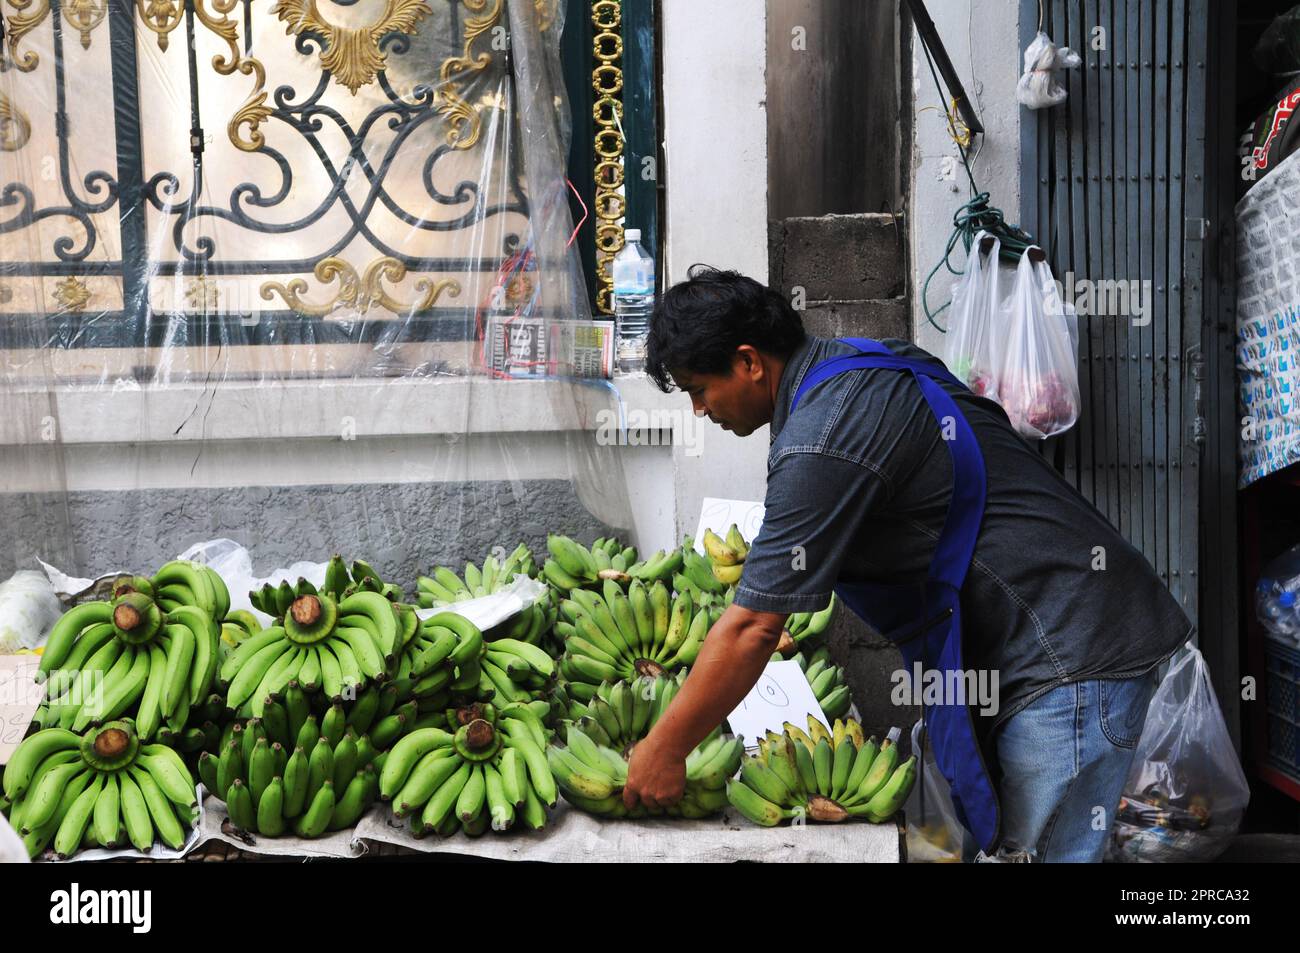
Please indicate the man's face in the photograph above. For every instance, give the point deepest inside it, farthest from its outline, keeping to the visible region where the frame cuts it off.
(739, 400)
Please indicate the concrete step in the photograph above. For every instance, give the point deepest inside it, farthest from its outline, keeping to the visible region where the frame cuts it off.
(838, 257)
(882, 318)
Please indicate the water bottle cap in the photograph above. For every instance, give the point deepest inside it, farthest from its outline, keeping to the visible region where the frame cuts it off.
(1287, 599)
(632, 234)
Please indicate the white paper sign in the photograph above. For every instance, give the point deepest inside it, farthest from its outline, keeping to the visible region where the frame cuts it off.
(718, 514)
(20, 696)
(781, 694)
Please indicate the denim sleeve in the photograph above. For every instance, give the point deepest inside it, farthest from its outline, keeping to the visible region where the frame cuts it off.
(816, 505)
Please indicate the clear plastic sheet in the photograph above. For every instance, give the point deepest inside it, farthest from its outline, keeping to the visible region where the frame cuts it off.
(273, 272)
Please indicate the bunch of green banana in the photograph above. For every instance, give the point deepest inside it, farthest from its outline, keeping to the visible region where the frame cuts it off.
(290, 771)
(364, 579)
(442, 662)
(105, 660)
(805, 629)
(661, 567)
(827, 681)
(486, 770)
(444, 587)
(697, 576)
(202, 732)
(238, 625)
(102, 789)
(827, 775)
(183, 583)
(591, 775)
(335, 646)
(623, 635)
(514, 670)
(275, 600)
(532, 625)
(726, 555)
(573, 566)
(622, 713)
(610, 553)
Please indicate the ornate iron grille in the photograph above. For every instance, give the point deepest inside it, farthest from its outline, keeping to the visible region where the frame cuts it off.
(250, 172)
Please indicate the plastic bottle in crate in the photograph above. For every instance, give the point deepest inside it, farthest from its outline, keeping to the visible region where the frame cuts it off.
(634, 296)
(1277, 609)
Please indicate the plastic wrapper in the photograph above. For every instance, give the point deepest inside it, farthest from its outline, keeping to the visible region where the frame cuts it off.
(1040, 374)
(973, 348)
(1186, 793)
(28, 607)
(265, 275)
(1040, 86)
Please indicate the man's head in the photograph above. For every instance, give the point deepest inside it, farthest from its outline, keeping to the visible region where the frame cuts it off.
(723, 339)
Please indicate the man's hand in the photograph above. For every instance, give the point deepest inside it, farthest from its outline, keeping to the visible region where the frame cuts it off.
(654, 776)
(730, 661)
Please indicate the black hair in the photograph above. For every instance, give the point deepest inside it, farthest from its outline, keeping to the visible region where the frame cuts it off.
(698, 324)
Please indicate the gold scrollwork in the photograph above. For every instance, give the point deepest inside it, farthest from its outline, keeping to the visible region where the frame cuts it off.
(360, 291)
(28, 17)
(160, 16)
(254, 110)
(15, 127)
(352, 54)
(81, 15)
(461, 116)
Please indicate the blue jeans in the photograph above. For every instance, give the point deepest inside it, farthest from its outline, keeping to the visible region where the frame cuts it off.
(1063, 762)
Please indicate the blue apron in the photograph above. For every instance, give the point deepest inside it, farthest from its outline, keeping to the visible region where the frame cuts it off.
(925, 622)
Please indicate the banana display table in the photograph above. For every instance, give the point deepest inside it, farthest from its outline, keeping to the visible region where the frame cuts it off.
(573, 836)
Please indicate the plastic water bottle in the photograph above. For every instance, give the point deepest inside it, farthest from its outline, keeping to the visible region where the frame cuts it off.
(1277, 609)
(634, 295)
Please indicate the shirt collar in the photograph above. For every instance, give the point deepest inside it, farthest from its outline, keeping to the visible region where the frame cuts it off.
(791, 376)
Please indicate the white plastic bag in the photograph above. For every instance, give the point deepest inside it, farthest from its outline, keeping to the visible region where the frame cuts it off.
(1039, 86)
(234, 564)
(1186, 793)
(29, 608)
(1039, 389)
(934, 835)
(973, 350)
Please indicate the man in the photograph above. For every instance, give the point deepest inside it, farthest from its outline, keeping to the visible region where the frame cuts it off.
(1013, 575)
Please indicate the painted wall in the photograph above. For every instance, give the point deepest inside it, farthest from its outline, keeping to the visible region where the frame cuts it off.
(715, 133)
(982, 41)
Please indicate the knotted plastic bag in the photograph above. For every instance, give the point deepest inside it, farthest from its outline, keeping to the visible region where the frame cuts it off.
(1039, 389)
(1186, 792)
(1039, 86)
(973, 351)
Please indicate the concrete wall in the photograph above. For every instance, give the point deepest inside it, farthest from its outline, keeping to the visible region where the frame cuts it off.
(832, 117)
(989, 33)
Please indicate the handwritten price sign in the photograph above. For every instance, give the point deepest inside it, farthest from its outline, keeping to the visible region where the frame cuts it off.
(781, 694)
(20, 696)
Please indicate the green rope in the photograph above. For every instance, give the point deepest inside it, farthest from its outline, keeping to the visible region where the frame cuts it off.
(970, 219)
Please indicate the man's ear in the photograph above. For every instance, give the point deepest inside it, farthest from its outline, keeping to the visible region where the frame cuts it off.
(750, 363)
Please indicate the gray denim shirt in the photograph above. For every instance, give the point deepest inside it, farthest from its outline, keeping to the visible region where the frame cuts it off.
(858, 485)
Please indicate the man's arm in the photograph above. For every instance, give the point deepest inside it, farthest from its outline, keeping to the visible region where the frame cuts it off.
(731, 660)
